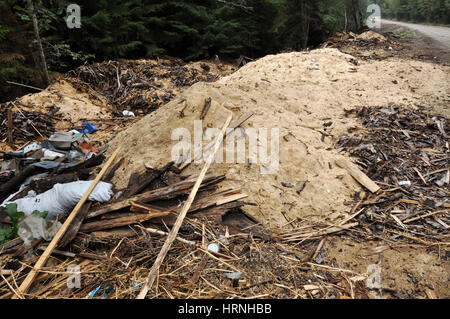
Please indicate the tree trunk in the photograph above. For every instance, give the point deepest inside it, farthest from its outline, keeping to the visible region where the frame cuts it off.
(305, 17)
(353, 15)
(38, 39)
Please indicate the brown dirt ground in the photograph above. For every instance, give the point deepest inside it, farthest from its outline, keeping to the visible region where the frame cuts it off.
(283, 92)
(419, 46)
(430, 269)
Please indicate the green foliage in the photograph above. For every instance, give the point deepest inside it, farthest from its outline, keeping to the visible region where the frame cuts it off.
(188, 29)
(8, 234)
(15, 70)
(43, 215)
(4, 33)
(11, 233)
(60, 56)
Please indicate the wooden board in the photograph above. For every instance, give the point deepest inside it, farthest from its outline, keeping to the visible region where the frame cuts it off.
(357, 174)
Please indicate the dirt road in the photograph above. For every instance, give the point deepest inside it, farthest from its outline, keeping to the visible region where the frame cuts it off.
(428, 43)
(439, 34)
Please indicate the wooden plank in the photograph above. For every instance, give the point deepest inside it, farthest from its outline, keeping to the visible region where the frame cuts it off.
(174, 231)
(357, 174)
(168, 192)
(119, 222)
(139, 207)
(204, 202)
(76, 224)
(43, 259)
(156, 176)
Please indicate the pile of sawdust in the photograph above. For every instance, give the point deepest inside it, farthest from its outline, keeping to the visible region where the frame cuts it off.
(307, 105)
(370, 35)
(73, 107)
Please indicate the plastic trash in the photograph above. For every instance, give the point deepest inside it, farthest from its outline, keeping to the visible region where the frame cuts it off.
(87, 148)
(233, 275)
(6, 176)
(35, 227)
(9, 165)
(76, 136)
(104, 293)
(62, 198)
(48, 145)
(128, 113)
(31, 148)
(404, 183)
(88, 128)
(50, 155)
(214, 248)
(49, 165)
(75, 156)
(314, 67)
(61, 140)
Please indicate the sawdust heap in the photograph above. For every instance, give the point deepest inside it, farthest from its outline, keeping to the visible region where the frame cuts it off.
(370, 35)
(63, 99)
(307, 106)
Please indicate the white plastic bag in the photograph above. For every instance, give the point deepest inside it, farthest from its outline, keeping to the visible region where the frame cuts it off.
(62, 198)
(36, 227)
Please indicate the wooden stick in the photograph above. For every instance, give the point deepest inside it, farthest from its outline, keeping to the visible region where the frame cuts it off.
(24, 85)
(423, 216)
(357, 174)
(205, 108)
(174, 232)
(43, 259)
(10, 127)
(162, 233)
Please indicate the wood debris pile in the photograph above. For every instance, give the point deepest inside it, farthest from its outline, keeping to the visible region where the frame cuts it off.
(115, 244)
(138, 86)
(367, 46)
(25, 126)
(406, 152)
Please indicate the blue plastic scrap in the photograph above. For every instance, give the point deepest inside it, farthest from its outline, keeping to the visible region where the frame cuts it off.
(88, 128)
(92, 294)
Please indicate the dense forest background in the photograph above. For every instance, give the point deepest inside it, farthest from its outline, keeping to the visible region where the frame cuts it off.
(189, 29)
(420, 11)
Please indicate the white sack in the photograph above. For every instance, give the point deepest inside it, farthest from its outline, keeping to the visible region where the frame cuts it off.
(62, 198)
